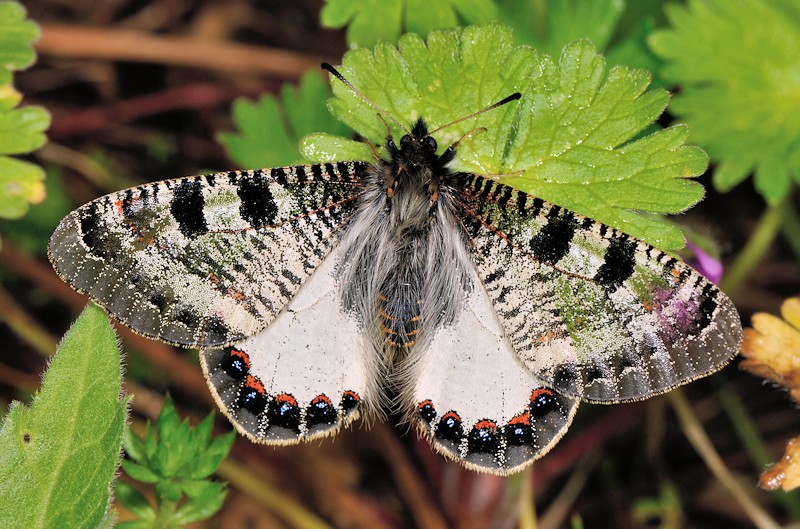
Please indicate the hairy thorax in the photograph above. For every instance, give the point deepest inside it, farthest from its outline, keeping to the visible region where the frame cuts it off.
(396, 250)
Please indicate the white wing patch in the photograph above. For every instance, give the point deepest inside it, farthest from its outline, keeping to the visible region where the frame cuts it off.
(479, 404)
(302, 377)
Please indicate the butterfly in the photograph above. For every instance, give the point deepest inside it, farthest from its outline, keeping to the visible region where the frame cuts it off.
(321, 292)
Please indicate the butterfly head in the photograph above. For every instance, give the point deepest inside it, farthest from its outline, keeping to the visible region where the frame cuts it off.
(417, 152)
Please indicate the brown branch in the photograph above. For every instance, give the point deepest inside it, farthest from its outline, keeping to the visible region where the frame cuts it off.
(90, 120)
(129, 45)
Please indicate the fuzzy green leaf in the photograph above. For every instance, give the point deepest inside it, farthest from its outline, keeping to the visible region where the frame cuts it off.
(569, 140)
(269, 130)
(374, 21)
(737, 64)
(16, 38)
(58, 458)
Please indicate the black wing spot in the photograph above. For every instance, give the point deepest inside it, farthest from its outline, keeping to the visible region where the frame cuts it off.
(553, 241)
(258, 206)
(618, 264)
(187, 207)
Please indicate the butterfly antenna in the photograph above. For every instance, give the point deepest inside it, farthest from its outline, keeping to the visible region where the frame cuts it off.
(512, 97)
(348, 84)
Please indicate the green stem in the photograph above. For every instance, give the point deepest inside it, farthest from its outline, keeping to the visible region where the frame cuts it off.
(697, 436)
(755, 446)
(791, 229)
(527, 501)
(759, 242)
(166, 510)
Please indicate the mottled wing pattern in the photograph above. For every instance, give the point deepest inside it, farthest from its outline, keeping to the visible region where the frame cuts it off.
(303, 376)
(592, 312)
(206, 260)
(476, 400)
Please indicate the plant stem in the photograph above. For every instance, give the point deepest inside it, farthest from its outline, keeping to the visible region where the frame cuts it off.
(791, 229)
(527, 501)
(702, 444)
(755, 446)
(759, 242)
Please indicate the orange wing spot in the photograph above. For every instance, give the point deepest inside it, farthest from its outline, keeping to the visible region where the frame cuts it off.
(240, 298)
(118, 205)
(424, 403)
(256, 384)
(486, 424)
(352, 394)
(648, 305)
(539, 392)
(551, 335)
(321, 398)
(244, 357)
(213, 278)
(676, 274)
(435, 196)
(521, 418)
(451, 415)
(285, 398)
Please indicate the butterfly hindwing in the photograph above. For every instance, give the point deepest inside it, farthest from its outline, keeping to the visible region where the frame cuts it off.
(593, 312)
(302, 377)
(206, 260)
(475, 399)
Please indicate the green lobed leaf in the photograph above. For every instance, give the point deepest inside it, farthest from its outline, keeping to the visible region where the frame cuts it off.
(374, 21)
(135, 502)
(136, 524)
(208, 461)
(21, 129)
(134, 445)
(269, 130)
(571, 139)
(140, 472)
(737, 66)
(20, 185)
(550, 25)
(58, 457)
(16, 38)
(31, 233)
(203, 507)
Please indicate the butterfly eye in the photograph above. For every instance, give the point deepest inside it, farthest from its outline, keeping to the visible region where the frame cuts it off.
(405, 142)
(430, 144)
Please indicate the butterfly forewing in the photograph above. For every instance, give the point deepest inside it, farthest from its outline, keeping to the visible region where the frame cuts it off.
(205, 260)
(303, 376)
(591, 311)
(475, 399)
